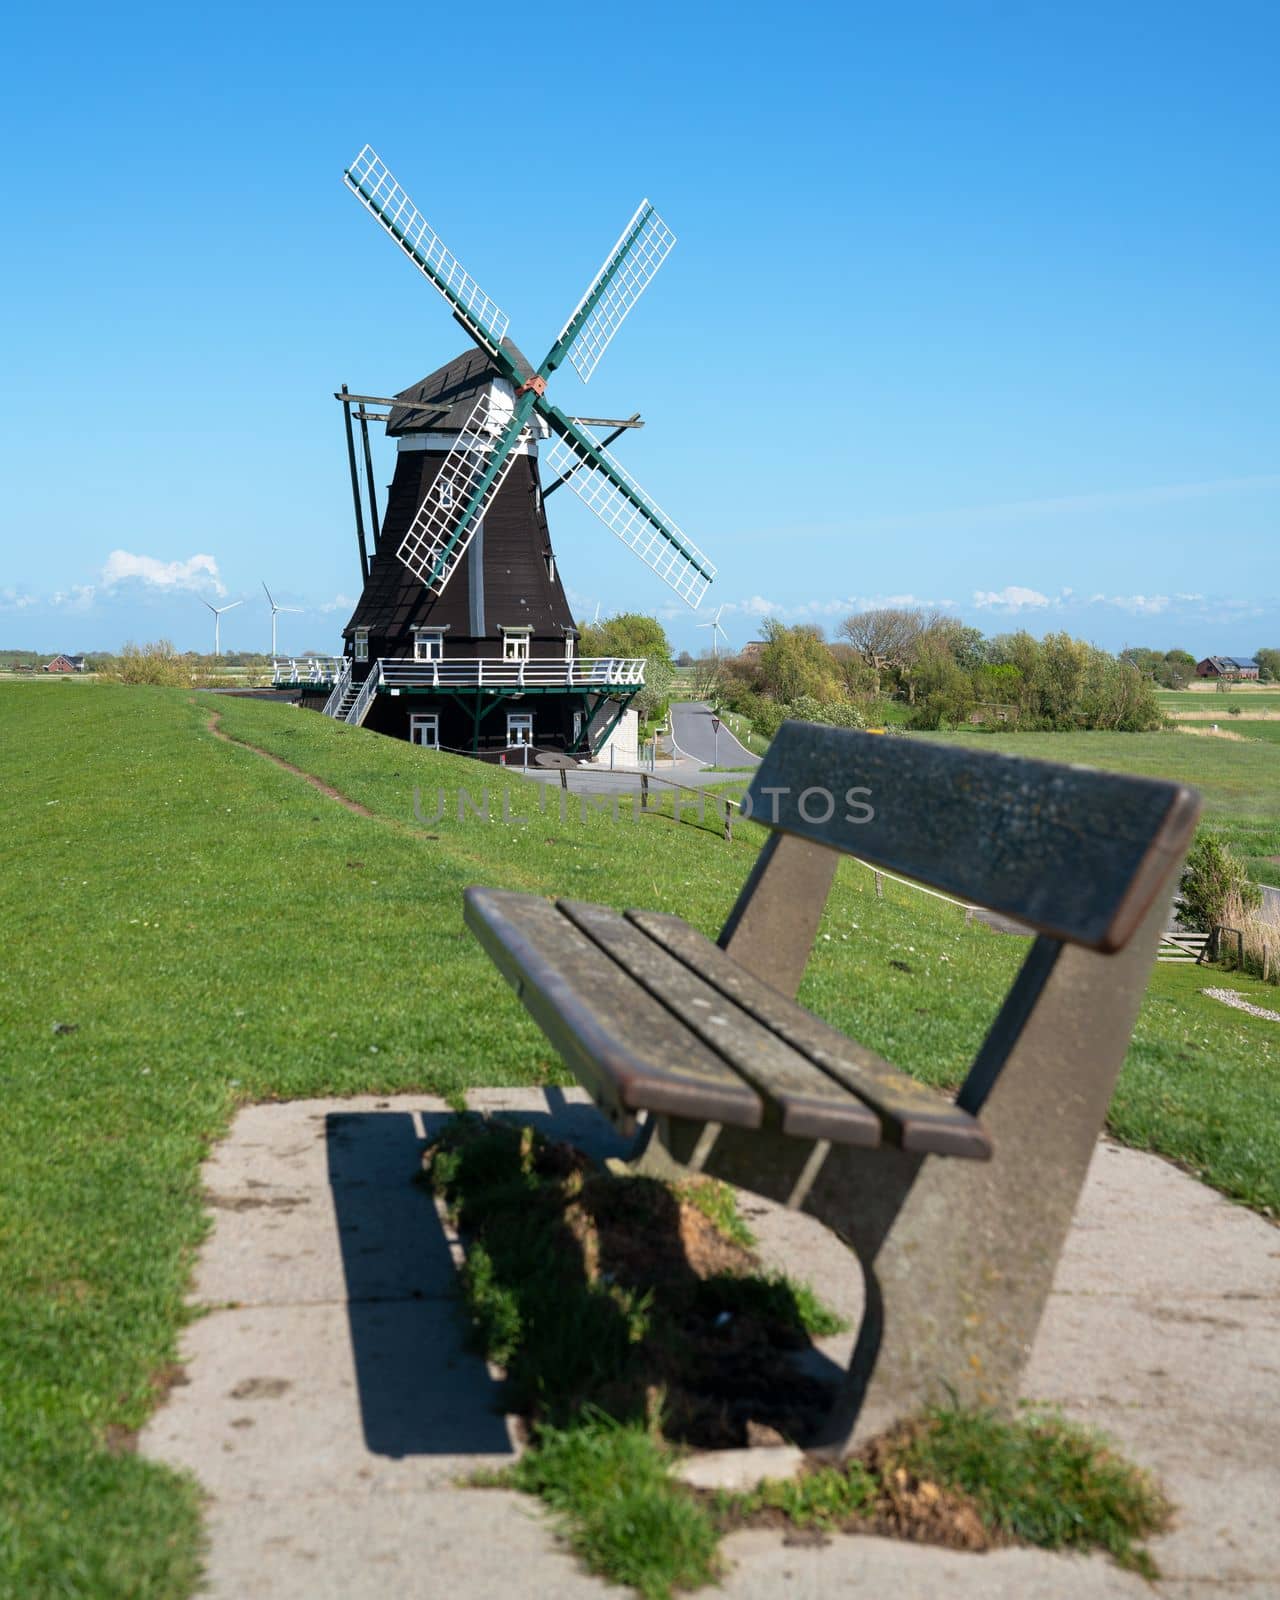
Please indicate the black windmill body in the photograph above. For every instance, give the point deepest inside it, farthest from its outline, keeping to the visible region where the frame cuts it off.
(463, 636)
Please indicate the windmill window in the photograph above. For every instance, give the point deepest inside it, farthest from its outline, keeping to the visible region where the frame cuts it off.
(515, 646)
(444, 492)
(361, 649)
(568, 647)
(551, 567)
(424, 729)
(428, 644)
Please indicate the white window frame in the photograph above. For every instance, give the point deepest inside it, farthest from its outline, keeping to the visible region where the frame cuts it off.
(569, 647)
(360, 645)
(515, 646)
(428, 644)
(422, 722)
(518, 722)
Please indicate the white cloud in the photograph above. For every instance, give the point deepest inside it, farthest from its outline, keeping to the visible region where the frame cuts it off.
(1011, 598)
(196, 573)
(1141, 605)
(12, 600)
(340, 602)
(79, 597)
(756, 606)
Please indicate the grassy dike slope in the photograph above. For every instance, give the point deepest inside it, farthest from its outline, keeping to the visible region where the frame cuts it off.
(215, 930)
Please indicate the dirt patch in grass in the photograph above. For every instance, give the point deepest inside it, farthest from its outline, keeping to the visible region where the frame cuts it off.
(968, 1481)
(874, 1492)
(638, 1297)
(633, 1317)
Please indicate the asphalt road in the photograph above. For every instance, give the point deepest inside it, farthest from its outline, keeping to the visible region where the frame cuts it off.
(692, 731)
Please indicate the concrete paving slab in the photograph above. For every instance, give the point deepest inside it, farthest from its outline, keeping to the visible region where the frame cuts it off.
(331, 1405)
(465, 1544)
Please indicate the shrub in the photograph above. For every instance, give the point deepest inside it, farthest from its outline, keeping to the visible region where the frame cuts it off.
(156, 663)
(1214, 882)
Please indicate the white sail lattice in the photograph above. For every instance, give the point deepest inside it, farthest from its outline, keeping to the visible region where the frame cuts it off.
(438, 537)
(653, 536)
(642, 248)
(373, 185)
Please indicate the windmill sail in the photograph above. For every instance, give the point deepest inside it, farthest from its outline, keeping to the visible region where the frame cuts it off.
(462, 491)
(373, 185)
(645, 243)
(624, 508)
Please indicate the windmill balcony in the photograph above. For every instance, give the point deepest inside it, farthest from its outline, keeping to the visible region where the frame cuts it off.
(492, 672)
(287, 672)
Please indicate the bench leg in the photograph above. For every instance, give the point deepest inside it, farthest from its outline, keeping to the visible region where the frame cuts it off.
(957, 1257)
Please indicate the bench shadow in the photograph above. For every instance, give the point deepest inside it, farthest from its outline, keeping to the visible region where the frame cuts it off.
(421, 1388)
(421, 1391)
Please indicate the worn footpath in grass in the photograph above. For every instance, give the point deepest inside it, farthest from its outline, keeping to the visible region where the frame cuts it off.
(202, 927)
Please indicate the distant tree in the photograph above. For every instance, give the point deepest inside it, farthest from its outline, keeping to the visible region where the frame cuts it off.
(707, 678)
(883, 637)
(1268, 665)
(858, 678)
(684, 659)
(1114, 694)
(1062, 667)
(631, 634)
(795, 661)
(942, 691)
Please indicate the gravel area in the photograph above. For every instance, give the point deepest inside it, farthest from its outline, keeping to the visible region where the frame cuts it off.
(1230, 997)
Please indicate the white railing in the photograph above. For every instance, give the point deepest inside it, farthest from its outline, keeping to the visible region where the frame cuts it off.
(589, 672)
(360, 705)
(340, 686)
(314, 670)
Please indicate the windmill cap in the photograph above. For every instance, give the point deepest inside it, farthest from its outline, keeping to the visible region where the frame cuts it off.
(456, 386)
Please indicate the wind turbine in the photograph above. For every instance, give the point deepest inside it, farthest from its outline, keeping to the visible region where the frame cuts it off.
(275, 611)
(716, 631)
(217, 622)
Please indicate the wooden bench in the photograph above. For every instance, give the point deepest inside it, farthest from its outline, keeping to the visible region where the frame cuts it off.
(956, 1210)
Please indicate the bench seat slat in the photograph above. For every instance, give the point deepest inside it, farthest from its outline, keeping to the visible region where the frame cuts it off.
(622, 1044)
(914, 1116)
(809, 1102)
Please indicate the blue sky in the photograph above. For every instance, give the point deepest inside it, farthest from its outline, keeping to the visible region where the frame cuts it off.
(973, 303)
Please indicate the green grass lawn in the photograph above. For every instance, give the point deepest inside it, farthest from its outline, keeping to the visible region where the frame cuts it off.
(1240, 779)
(1266, 697)
(1253, 730)
(214, 930)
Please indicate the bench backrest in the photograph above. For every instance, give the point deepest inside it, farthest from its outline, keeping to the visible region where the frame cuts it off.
(1073, 852)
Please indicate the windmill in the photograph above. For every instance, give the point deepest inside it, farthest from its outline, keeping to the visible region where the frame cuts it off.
(217, 622)
(463, 613)
(484, 451)
(716, 632)
(275, 611)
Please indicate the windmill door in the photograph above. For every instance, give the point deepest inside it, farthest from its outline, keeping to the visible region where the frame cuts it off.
(519, 727)
(424, 729)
